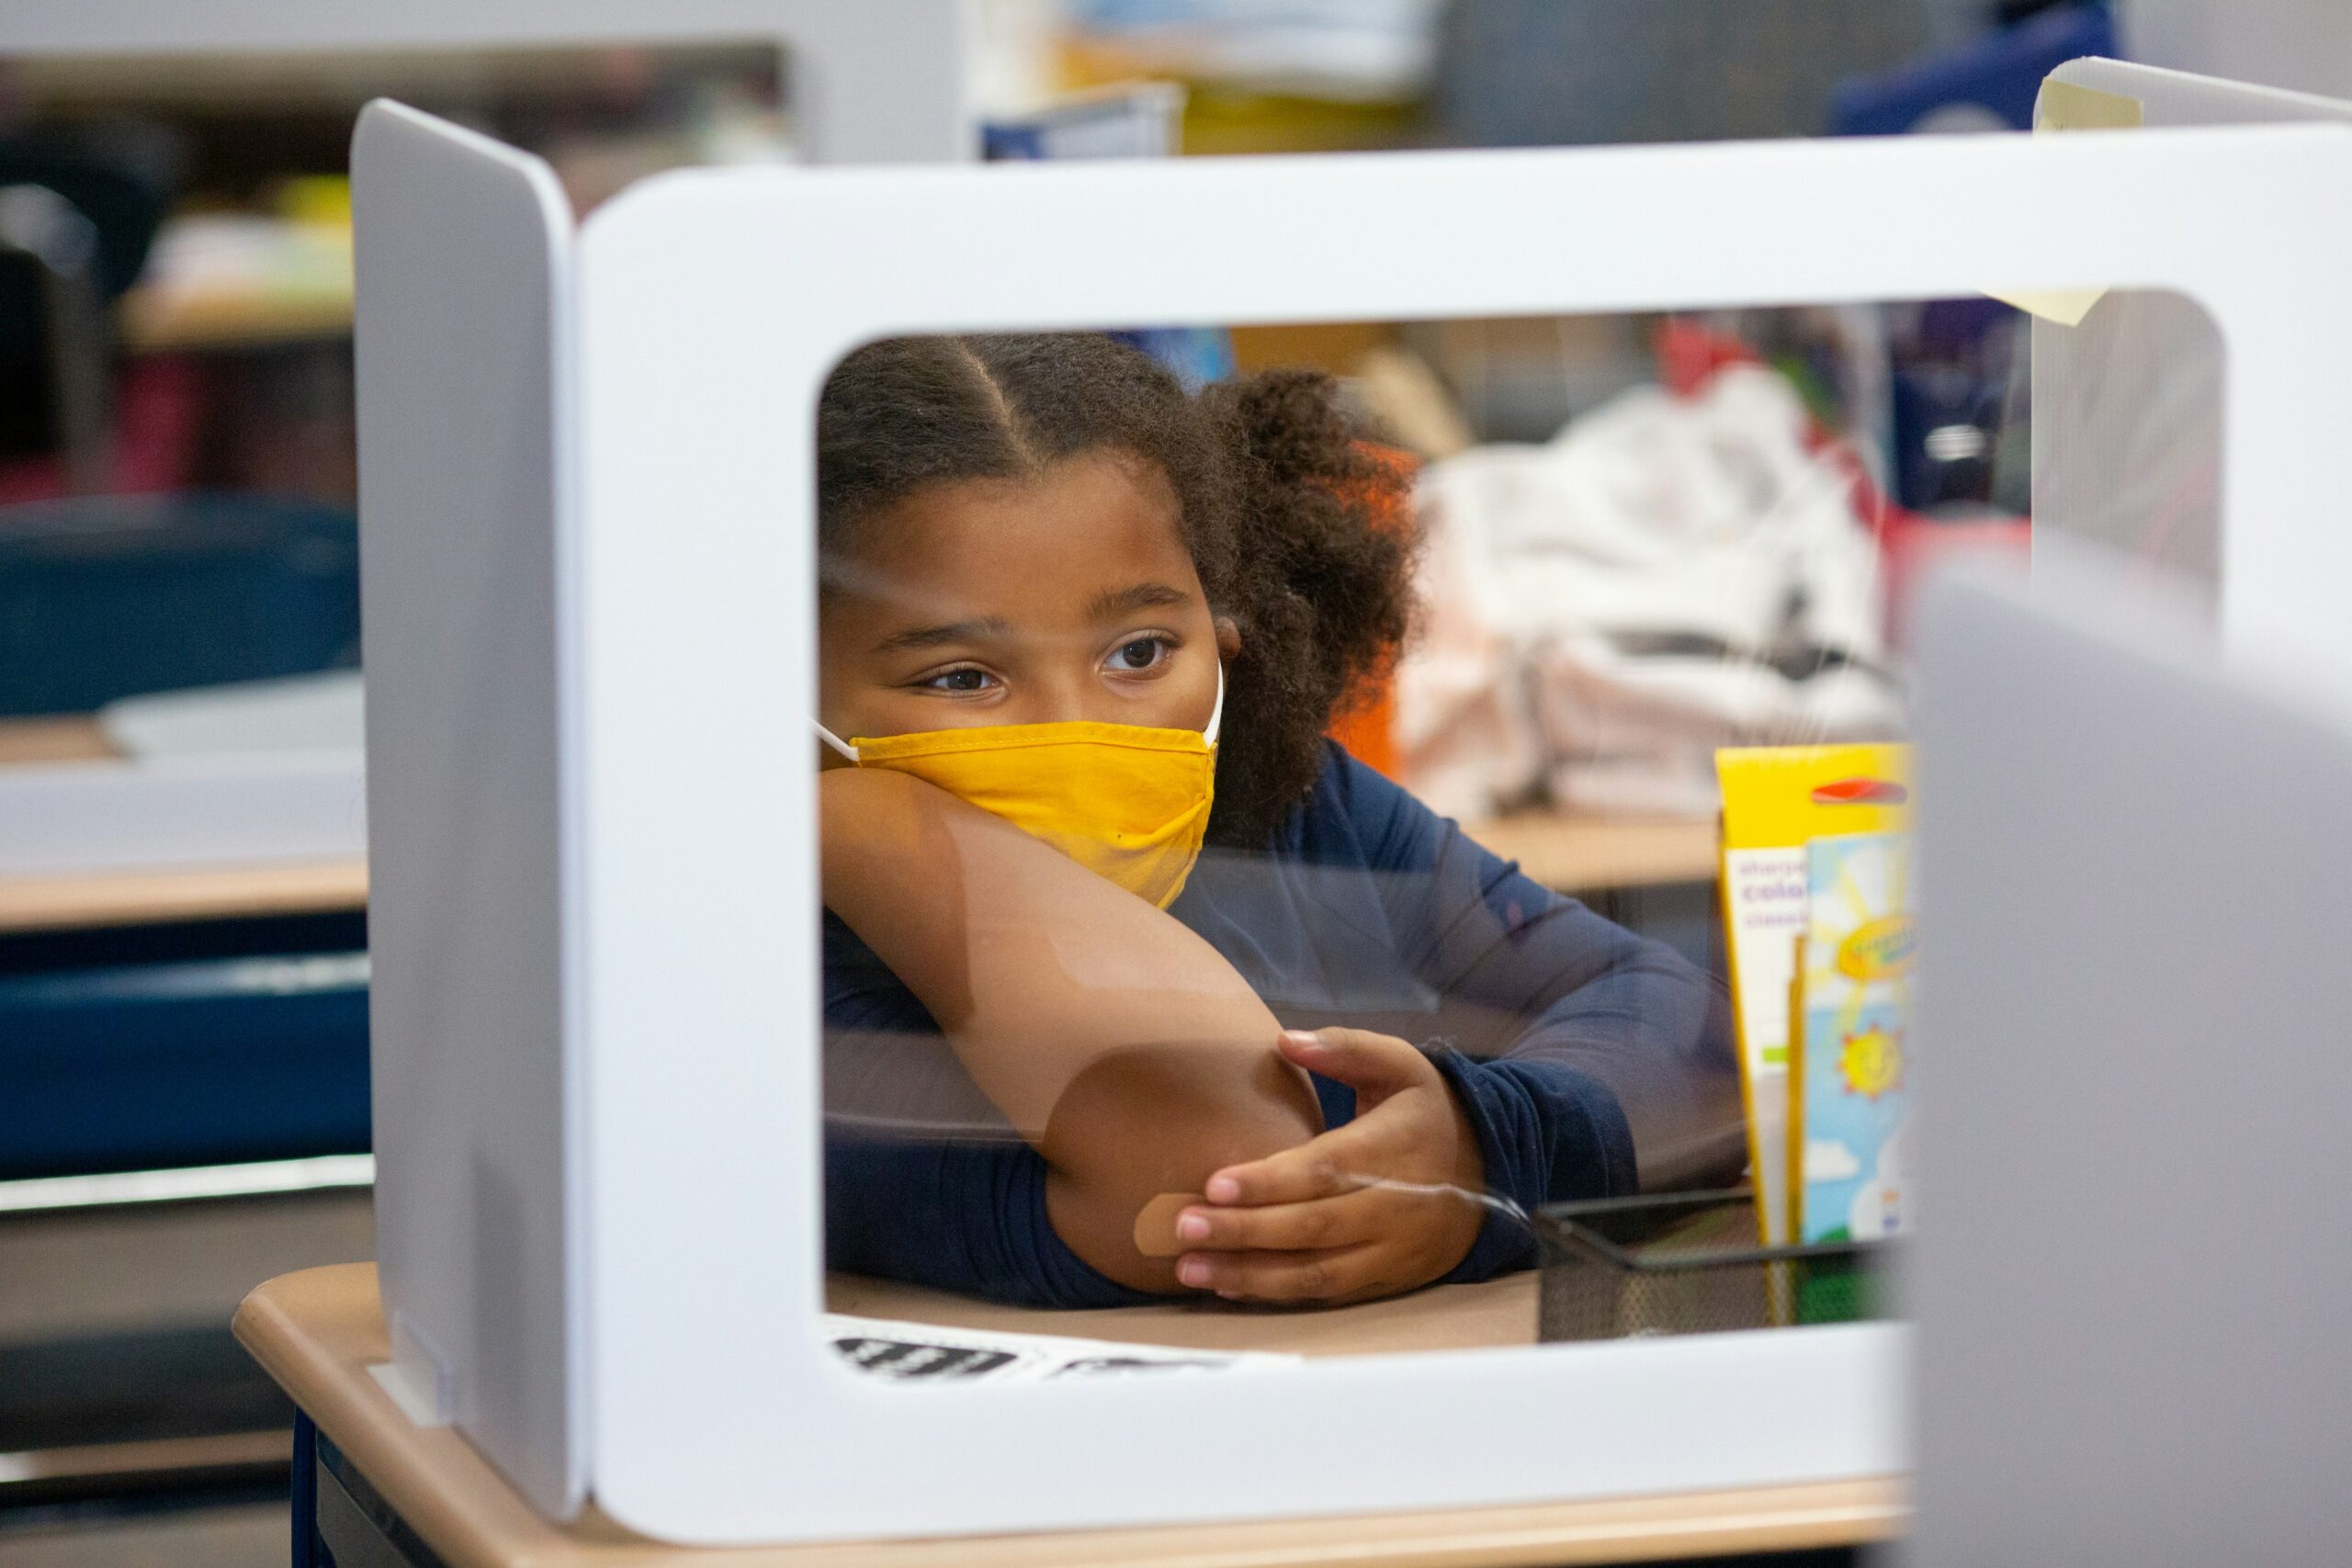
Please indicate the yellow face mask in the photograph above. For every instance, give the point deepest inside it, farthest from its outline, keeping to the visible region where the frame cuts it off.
(1129, 802)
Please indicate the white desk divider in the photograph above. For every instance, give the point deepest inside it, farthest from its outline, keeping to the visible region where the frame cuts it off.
(2128, 402)
(2129, 1309)
(597, 1107)
(2302, 44)
(468, 380)
(2182, 101)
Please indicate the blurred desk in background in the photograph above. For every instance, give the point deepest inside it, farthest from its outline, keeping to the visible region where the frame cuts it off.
(153, 1024)
(202, 892)
(1585, 854)
(64, 902)
(76, 739)
(1654, 876)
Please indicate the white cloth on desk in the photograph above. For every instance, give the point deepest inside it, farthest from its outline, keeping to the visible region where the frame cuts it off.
(1608, 608)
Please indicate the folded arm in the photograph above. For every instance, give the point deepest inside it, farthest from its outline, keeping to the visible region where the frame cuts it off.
(1123, 1047)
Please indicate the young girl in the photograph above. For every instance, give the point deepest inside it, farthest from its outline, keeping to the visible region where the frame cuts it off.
(1256, 1021)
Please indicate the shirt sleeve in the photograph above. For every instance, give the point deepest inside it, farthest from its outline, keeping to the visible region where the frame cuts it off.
(963, 1217)
(1591, 1063)
(922, 1182)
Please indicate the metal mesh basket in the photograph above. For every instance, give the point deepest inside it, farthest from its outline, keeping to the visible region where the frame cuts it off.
(1687, 1264)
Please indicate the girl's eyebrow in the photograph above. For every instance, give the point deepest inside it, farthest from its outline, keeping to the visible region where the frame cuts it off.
(1142, 597)
(983, 630)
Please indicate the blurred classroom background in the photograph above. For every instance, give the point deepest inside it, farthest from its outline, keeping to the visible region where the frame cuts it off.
(1735, 503)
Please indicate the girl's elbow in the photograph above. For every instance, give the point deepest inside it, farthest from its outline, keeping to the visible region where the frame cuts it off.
(1147, 1122)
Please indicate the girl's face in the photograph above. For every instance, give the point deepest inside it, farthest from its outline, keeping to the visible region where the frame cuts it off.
(1069, 596)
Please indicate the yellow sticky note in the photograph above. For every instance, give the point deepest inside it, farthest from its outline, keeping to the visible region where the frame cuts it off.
(2066, 107)
(2067, 306)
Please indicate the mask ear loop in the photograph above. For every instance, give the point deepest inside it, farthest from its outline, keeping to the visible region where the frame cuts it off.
(835, 741)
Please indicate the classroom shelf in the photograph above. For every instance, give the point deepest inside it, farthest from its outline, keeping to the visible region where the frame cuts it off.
(152, 322)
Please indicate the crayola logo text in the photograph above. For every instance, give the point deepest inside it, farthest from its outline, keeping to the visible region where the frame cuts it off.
(1883, 950)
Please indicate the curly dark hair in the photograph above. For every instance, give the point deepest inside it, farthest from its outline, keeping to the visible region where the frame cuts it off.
(1298, 529)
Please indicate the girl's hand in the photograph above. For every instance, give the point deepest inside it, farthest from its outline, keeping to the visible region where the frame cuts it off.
(1312, 1223)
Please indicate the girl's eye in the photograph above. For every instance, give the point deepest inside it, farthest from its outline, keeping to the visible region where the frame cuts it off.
(1141, 654)
(960, 681)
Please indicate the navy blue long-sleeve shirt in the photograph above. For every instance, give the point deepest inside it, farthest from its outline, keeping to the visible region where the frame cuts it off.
(1589, 1062)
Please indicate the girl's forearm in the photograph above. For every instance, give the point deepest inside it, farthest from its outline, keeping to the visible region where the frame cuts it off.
(1124, 1047)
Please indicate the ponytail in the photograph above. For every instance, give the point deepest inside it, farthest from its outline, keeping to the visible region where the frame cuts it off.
(1320, 584)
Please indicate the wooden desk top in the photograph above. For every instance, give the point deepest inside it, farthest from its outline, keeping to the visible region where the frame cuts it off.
(317, 1332)
(197, 893)
(1584, 855)
(75, 739)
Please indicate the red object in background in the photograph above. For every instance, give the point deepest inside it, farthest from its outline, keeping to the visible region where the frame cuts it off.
(1860, 792)
(163, 406)
(1369, 729)
(1688, 354)
(158, 407)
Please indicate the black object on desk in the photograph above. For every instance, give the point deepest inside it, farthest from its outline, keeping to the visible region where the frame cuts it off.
(1687, 1263)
